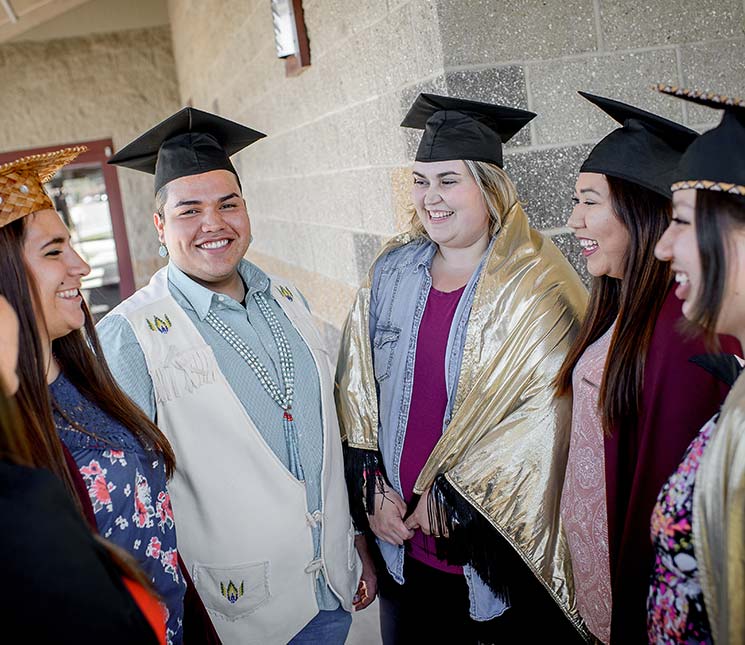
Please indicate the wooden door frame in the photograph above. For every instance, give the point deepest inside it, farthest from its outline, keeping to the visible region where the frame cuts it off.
(98, 153)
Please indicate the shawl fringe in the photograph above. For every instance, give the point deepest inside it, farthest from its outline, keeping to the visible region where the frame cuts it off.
(471, 539)
(358, 465)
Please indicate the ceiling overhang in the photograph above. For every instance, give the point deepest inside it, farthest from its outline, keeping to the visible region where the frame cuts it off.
(18, 16)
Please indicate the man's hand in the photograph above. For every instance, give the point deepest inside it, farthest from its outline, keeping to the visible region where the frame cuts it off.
(419, 519)
(387, 521)
(368, 586)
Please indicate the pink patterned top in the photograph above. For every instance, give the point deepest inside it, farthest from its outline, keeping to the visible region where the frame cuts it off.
(584, 509)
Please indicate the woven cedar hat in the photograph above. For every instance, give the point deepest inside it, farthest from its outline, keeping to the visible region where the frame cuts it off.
(21, 182)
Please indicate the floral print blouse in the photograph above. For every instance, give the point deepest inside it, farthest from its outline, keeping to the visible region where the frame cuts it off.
(675, 605)
(127, 487)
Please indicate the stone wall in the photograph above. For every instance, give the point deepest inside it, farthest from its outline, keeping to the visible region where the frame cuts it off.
(330, 182)
(104, 86)
(320, 187)
(615, 48)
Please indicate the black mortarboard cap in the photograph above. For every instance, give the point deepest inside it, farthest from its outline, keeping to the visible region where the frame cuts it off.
(189, 142)
(645, 150)
(462, 129)
(716, 160)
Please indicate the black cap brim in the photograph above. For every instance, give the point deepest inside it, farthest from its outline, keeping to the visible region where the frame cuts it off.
(463, 129)
(716, 160)
(676, 135)
(645, 150)
(225, 139)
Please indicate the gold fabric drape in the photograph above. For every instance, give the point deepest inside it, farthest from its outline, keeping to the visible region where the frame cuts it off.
(505, 449)
(719, 521)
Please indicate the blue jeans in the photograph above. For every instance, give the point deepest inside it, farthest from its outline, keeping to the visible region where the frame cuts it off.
(327, 628)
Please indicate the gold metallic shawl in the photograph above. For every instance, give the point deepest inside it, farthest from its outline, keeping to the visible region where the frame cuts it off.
(505, 449)
(719, 521)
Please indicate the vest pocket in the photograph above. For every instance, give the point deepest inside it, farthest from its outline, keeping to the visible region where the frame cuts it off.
(384, 342)
(232, 592)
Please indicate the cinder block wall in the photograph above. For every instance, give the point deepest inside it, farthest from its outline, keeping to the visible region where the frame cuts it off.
(320, 187)
(330, 182)
(104, 86)
(536, 54)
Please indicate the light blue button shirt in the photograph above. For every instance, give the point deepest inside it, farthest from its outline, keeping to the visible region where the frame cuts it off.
(127, 363)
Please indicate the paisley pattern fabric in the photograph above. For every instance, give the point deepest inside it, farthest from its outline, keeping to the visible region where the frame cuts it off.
(584, 510)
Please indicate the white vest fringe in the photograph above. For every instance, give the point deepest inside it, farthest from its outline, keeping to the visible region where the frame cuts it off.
(244, 530)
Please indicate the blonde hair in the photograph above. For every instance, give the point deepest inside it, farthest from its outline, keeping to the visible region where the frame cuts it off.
(497, 190)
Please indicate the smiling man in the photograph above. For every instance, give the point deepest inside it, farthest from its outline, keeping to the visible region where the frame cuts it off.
(227, 361)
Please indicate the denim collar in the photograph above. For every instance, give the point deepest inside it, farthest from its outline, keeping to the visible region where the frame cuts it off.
(427, 255)
(201, 298)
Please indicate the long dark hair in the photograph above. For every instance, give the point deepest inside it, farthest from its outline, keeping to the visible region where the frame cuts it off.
(716, 214)
(79, 356)
(33, 409)
(14, 442)
(635, 302)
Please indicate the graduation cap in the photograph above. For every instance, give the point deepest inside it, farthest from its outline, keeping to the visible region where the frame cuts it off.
(462, 129)
(189, 142)
(716, 160)
(645, 150)
(22, 182)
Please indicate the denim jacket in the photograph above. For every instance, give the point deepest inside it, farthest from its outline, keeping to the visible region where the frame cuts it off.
(400, 288)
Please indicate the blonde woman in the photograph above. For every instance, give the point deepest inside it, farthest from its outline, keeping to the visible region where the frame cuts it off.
(455, 444)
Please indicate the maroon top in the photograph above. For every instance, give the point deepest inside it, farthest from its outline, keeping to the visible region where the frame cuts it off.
(429, 399)
(678, 399)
